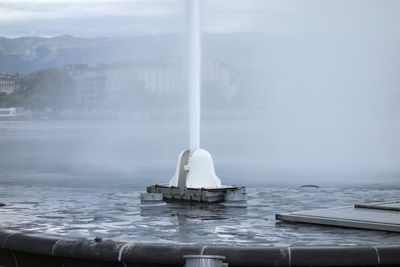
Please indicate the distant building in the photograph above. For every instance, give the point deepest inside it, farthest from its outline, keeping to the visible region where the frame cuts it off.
(157, 80)
(98, 84)
(9, 83)
(13, 113)
(90, 82)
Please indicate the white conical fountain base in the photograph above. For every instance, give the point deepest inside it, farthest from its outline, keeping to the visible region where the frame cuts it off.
(195, 171)
(195, 180)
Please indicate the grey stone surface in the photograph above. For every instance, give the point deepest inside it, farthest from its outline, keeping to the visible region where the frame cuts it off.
(353, 217)
(393, 206)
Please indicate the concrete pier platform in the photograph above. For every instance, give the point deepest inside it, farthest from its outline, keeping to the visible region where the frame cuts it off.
(209, 195)
(379, 216)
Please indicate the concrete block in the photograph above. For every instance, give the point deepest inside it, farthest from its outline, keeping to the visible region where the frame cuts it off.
(151, 197)
(238, 195)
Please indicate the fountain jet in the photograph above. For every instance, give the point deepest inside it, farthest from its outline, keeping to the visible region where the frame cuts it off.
(194, 74)
(195, 168)
(195, 177)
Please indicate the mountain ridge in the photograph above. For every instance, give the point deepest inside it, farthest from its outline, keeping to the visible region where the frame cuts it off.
(29, 54)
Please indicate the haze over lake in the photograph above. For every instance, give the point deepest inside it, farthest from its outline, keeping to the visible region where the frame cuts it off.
(144, 152)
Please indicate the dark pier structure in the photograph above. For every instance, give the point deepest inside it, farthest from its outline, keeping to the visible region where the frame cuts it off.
(208, 195)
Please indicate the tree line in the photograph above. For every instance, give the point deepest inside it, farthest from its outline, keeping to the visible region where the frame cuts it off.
(50, 88)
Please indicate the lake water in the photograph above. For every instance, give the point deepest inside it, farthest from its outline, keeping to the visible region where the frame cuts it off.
(83, 179)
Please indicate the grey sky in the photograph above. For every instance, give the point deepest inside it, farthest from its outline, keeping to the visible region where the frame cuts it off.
(93, 18)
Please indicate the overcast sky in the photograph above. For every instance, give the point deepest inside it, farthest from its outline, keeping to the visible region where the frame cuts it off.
(94, 18)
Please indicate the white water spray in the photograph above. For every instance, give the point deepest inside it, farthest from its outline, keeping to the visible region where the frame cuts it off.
(194, 77)
(195, 168)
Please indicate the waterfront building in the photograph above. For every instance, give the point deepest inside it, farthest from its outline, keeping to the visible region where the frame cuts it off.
(103, 85)
(9, 83)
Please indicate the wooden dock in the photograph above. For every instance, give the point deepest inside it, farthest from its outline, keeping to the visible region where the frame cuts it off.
(379, 216)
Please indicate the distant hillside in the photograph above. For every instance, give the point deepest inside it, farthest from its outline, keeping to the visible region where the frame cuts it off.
(28, 54)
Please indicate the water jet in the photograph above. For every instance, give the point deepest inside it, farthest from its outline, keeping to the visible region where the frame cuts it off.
(195, 178)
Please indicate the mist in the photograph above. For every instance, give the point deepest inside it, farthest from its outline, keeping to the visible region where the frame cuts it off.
(293, 91)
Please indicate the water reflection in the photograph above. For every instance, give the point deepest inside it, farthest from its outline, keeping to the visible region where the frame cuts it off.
(188, 210)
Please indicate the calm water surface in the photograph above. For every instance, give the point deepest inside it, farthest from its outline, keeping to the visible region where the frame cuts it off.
(83, 179)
